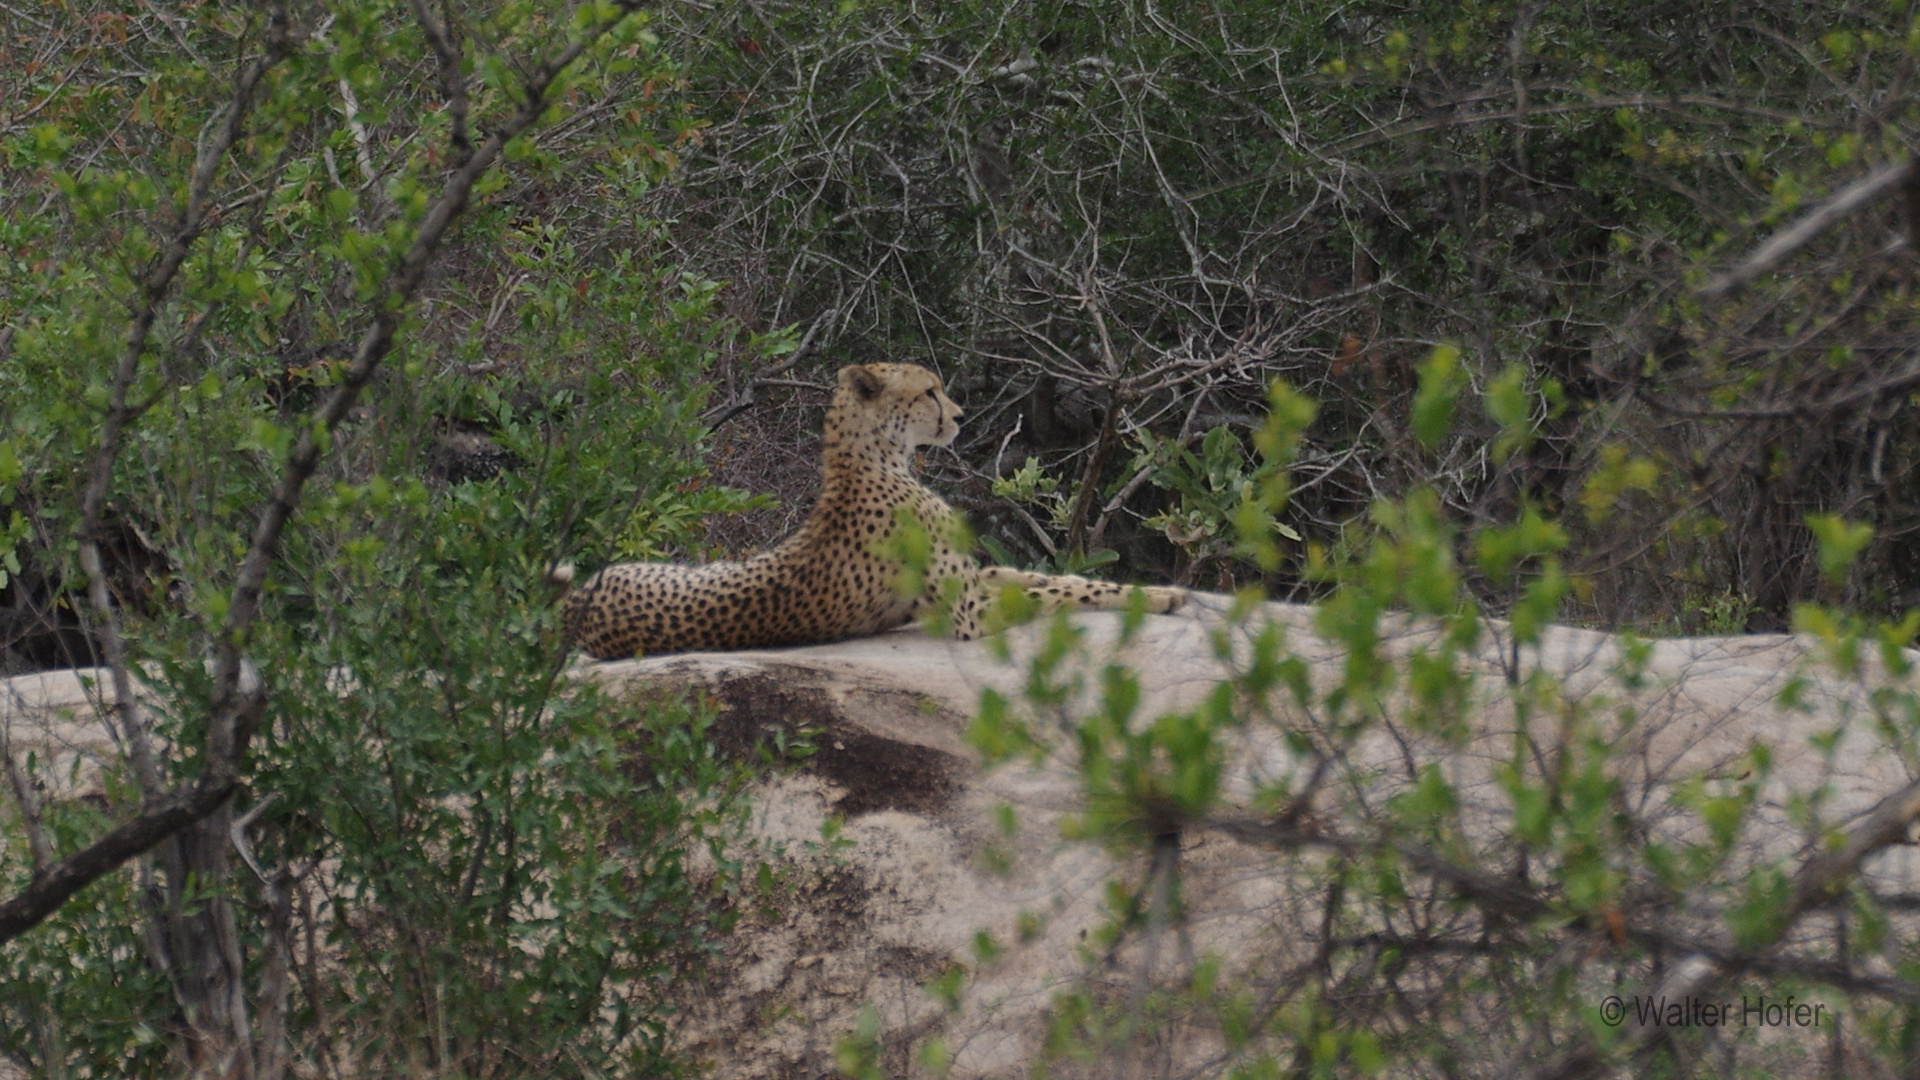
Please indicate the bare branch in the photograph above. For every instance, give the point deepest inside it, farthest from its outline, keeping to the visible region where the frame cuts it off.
(193, 220)
(161, 819)
(446, 52)
(38, 847)
(362, 139)
(750, 395)
(1811, 224)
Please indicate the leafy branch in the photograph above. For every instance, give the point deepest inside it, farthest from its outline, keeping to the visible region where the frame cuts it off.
(236, 699)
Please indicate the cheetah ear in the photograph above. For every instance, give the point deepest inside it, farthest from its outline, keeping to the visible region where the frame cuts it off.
(861, 380)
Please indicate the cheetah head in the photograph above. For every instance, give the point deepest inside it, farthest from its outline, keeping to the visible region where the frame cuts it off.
(908, 396)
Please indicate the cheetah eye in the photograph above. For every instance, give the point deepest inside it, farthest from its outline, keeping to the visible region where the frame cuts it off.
(932, 390)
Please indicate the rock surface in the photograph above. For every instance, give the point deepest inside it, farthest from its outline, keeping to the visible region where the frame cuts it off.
(926, 869)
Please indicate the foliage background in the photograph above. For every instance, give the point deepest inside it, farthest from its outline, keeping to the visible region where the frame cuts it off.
(1110, 224)
(1084, 209)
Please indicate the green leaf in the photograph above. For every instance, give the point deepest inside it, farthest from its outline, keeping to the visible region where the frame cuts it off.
(10, 471)
(1431, 799)
(1757, 918)
(1441, 379)
(1841, 542)
(1508, 405)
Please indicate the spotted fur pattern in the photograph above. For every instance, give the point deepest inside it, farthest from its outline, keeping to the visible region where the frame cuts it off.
(827, 581)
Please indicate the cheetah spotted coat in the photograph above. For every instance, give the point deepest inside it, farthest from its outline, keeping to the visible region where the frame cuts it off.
(830, 580)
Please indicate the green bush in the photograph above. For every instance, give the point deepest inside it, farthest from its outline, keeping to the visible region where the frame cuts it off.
(443, 856)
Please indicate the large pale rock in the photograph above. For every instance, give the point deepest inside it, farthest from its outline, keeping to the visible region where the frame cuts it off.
(926, 870)
(923, 869)
(57, 718)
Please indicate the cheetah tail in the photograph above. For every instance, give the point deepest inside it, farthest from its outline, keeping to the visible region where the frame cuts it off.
(561, 577)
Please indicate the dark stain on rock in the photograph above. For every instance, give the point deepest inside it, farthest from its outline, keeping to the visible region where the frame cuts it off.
(874, 772)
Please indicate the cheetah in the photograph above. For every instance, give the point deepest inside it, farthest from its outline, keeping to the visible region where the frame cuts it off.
(828, 581)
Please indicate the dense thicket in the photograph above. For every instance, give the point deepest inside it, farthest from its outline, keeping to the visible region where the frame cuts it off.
(1112, 224)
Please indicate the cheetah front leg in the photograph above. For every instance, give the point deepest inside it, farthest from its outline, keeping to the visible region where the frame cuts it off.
(1053, 592)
